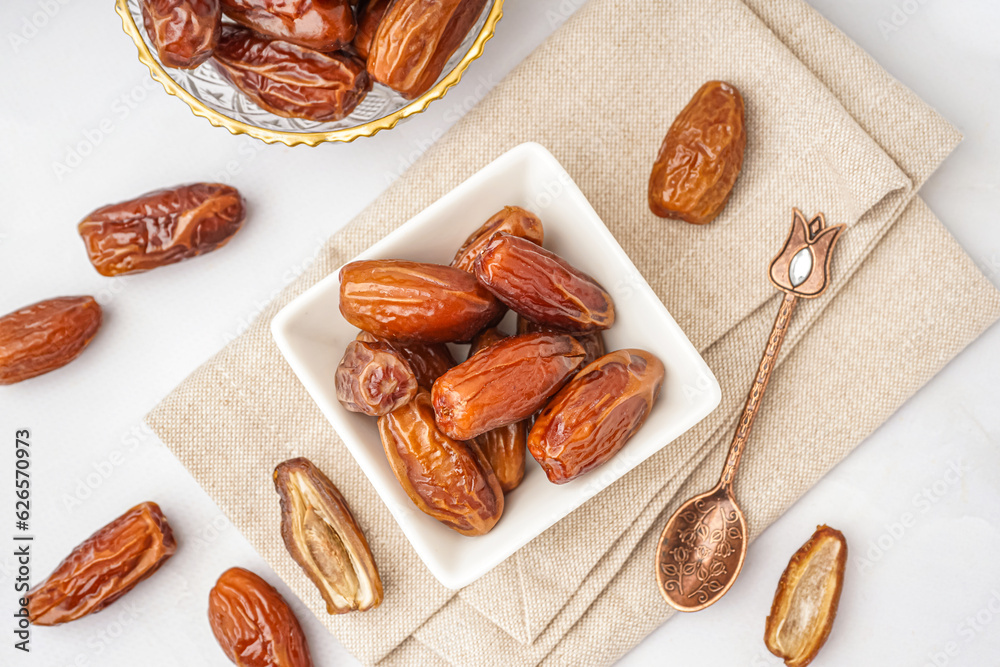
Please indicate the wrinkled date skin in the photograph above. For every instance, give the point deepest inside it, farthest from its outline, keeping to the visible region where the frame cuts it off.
(162, 227)
(184, 32)
(513, 220)
(290, 80)
(805, 604)
(253, 624)
(445, 478)
(701, 156)
(594, 415)
(505, 450)
(485, 338)
(105, 567)
(428, 361)
(321, 25)
(503, 447)
(373, 379)
(45, 336)
(542, 286)
(323, 537)
(416, 38)
(593, 342)
(411, 301)
(504, 383)
(370, 13)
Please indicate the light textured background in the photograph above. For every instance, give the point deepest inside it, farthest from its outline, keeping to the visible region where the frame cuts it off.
(84, 126)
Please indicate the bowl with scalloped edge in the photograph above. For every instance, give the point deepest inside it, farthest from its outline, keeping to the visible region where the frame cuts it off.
(312, 336)
(210, 96)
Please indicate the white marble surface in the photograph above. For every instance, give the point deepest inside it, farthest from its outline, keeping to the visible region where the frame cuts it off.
(83, 125)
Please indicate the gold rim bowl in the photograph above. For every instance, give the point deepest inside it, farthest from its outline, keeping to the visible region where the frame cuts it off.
(347, 134)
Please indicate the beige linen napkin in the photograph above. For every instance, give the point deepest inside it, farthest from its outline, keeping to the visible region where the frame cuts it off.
(828, 130)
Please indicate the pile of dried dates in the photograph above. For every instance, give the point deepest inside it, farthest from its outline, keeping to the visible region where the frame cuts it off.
(456, 434)
(313, 59)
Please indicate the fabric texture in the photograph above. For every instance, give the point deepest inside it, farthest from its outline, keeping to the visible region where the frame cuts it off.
(828, 130)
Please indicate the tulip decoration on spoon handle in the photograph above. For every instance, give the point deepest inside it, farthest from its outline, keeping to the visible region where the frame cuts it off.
(703, 546)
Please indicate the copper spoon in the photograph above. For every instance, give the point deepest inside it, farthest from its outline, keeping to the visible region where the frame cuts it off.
(703, 546)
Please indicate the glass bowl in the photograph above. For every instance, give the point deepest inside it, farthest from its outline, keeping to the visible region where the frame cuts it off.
(212, 97)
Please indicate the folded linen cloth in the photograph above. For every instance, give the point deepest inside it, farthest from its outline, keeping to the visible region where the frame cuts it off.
(828, 130)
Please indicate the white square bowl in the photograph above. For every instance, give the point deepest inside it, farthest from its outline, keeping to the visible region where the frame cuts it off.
(312, 335)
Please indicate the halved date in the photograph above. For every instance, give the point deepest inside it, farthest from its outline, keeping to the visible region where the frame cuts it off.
(373, 379)
(542, 286)
(416, 38)
(325, 540)
(504, 383)
(429, 361)
(323, 25)
(184, 32)
(700, 157)
(104, 567)
(253, 624)
(411, 301)
(445, 478)
(162, 227)
(370, 13)
(291, 80)
(503, 447)
(805, 604)
(45, 336)
(513, 220)
(594, 415)
(592, 341)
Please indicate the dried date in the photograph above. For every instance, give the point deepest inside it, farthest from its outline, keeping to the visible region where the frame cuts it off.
(322, 25)
(503, 447)
(594, 415)
(543, 287)
(105, 567)
(373, 379)
(428, 361)
(370, 13)
(416, 38)
(162, 227)
(184, 32)
(505, 450)
(445, 478)
(291, 80)
(805, 604)
(700, 157)
(325, 540)
(45, 336)
(253, 624)
(592, 341)
(485, 338)
(513, 220)
(504, 383)
(415, 302)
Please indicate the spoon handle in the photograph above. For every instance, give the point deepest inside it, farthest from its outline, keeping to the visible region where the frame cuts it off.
(757, 390)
